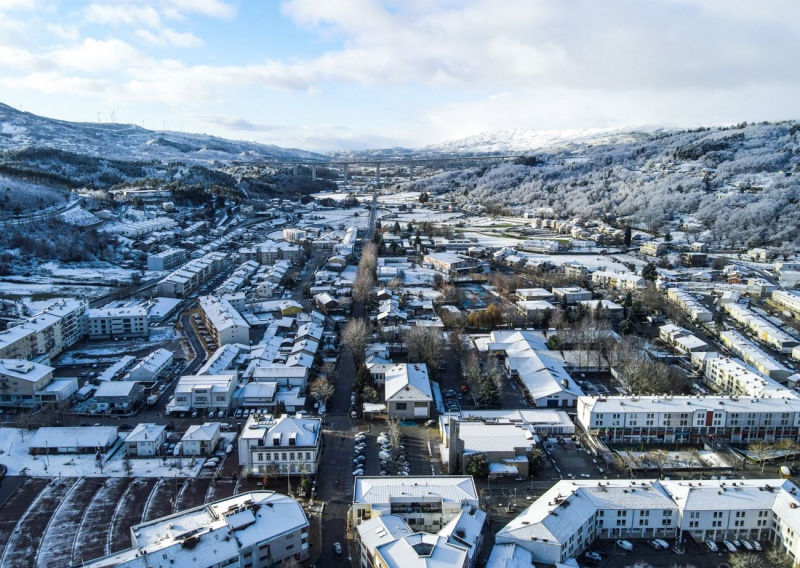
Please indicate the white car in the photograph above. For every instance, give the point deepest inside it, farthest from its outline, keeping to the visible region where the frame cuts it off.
(358, 472)
(712, 546)
(729, 545)
(756, 545)
(747, 545)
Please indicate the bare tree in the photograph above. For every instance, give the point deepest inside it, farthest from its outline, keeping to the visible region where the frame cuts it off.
(355, 336)
(761, 450)
(322, 389)
(425, 345)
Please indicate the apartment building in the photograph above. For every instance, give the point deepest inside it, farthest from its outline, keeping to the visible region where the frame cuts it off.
(694, 309)
(290, 444)
(618, 280)
(224, 323)
(48, 333)
(166, 260)
(763, 330)
(571, 295)
(152, 367)
(449, 263)
(294, 234)
(567, 518)
(653, 248)
(185, 280)
(730, 376)
(753, 356)
(669, 419)
(681, 339)
(534, 294)
(111, 323)
(203, 392)
(787, 299)
(21, 380)
(257, 529)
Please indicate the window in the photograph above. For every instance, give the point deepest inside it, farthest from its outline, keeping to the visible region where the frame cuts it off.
(400, 406)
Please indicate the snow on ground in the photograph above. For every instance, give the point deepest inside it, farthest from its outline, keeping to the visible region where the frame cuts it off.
(27, 291)
(426, 292)
(492, 240)
(14, 443)
(398, 198)
(423, 215)
(79, 217)
(336, 217)
(418, 276)
(97, 351)
(86, 273)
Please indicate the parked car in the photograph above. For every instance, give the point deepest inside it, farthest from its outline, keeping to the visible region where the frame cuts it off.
(712, 546)
(337, 548)
(663, 543)
(592, 557)
(729, 545)
(625, 545)
(747, 545)
(238, 413)
(221, 414)
(756, 545)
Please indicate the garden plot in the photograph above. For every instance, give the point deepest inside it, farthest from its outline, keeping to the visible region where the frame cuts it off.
(162, 499)
(220, 489)
(92, 538)
(193, 493)
(59, 537)
(129, 512)
(23, 545)
(14, 509)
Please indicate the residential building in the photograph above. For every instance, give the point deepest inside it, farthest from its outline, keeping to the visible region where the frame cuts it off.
(291, 445)
(534, 294)
(201, 439)
(788, 300)
(507, 447)
(567, 518)
(763, 330)
(730, 376)
(753, 356)
(145, 440)
(694, 309)
(184, 281)
(166, 260)
(618, 280)
(48, 333)
(694, 258)
(257, 529)
(407, 391)
(112, 323)
(293, 234)
(203, 392)
(58, 392)
(118, 396)
(670, 419)
(224, 323)
(426, 503)
(284, 376)
(653, 248)
(535, 309)
(152, 367)
(681, 339)
(571, 295)
(449, 263)
(73, 440)
(609, 309)
(21, 380)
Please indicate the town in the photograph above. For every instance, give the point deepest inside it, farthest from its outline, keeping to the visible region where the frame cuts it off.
(379, 377)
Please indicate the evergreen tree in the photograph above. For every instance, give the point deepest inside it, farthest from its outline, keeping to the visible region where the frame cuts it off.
(627, 239)
(489, 395)
(478, 466)
(649, 272)
(396, 229)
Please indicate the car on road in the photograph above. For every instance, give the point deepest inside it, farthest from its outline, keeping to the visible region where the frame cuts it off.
(430, 423)
(337, 548)
(358, 472)
(712, 546)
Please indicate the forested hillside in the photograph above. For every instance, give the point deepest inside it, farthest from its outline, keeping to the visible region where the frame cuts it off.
(736, 185)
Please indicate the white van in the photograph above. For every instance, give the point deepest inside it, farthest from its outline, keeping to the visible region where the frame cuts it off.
(625, 545)
(177, 451)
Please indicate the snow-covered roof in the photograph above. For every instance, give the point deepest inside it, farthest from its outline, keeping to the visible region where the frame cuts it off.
(202, 432)
(408, 381)
(381, 490)
(116, 388)
(145, 432)
(74, 437)
(24, 370)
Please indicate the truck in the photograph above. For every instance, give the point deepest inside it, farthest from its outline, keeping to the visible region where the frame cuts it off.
(152, 400)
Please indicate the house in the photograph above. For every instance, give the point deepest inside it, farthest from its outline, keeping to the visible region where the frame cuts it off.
(73, 440)
(152, 367)
(291, 445)
(506, 446)
(534, 294)
(145, 440)
(535, 309)
(407, 391)
(652, 248)
(201, 439)
(694, 258)
(258, 529)
(119, 396)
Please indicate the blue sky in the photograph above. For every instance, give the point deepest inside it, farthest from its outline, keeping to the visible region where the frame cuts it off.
(342, 74)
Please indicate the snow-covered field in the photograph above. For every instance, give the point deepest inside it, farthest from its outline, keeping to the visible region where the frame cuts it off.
(78, 217)
(107, 350)
(88, 273)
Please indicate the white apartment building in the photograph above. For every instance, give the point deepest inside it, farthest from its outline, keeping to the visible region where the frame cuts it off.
(20, 380)
(567, 518)
(48, 333)
(152, 367)
(730, 376)
(141, 228)
(534, 294)
(763, 330)
(224, 323)
(653, 248)
(618, 280)
(753, 356)
(257, 529)
(572, 295)
(201, 392)
(426, 503)
(182, 282)
(681, 339)
(166, 260)
(668, 419)
(290, 444)
(107, 323)
(293, 234)
(688, 304)
(788, 299)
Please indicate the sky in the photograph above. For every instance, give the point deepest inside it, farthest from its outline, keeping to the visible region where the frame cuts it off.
(352, 74)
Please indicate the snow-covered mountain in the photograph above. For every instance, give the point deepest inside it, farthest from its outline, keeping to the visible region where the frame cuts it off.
(130, 142)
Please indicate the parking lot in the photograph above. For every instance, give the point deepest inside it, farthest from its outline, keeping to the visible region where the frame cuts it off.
(68, 520)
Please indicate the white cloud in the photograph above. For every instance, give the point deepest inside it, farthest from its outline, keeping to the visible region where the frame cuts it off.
(94, 56)
(122, 14)
(212, 8)
(168, 36)
(53, 83)
(67, 32)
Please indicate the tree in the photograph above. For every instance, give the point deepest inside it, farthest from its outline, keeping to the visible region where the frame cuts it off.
(668, 237)
(355, 336)
(478, 466)
(535, 461)
(627, 239)
(396, 230)
(489, 395)
(745, 560)
(649, 272)
(279, 409)
(423, 197)
(425, 345)
(270, 471)
(322, 389)
(761, 450)
(554, 343)
(777, 558)
(719, 320)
